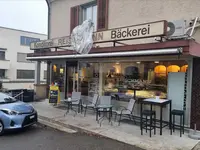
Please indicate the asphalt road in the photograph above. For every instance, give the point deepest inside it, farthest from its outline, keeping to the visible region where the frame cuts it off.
(43, 138)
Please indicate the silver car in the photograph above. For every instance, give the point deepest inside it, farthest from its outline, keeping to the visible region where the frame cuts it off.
(15, 114)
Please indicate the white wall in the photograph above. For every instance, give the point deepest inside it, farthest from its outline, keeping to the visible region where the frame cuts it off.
(10, 40)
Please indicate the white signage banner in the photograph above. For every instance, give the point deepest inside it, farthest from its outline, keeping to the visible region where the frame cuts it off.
(131, 32)
(152, 29)
(57, 42)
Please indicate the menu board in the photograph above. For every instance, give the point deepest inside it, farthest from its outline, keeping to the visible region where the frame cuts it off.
(54, 94)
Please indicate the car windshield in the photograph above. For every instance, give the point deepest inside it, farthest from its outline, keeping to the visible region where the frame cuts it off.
(4, 99)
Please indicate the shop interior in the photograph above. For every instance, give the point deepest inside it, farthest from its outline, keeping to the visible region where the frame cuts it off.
(122, 79)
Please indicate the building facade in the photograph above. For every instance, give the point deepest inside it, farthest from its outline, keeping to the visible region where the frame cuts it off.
(141, 48)
(15, 71)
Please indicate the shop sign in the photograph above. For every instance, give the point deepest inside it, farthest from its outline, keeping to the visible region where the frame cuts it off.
(132, 32)
(57, 42)
(152, 29)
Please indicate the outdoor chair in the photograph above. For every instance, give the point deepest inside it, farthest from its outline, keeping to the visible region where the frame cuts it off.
(75, 101)
(92, 105)
(125, 111)
(104, 100)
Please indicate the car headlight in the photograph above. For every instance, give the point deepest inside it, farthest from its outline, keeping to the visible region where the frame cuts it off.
(9, 112)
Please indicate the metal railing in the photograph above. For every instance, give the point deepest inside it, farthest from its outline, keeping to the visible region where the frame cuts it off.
(20, 96)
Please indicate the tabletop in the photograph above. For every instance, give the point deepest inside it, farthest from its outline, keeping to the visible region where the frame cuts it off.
(70, 100)
(156, 101)
(104, 106)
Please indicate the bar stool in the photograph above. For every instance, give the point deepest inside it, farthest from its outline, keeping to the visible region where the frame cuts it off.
(180, 113)
(152, 121)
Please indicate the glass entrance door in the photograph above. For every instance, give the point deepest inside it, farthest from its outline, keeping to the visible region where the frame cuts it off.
(58, 76)
(72, 80)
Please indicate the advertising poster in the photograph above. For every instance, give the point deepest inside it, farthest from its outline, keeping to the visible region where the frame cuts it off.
(54, 94)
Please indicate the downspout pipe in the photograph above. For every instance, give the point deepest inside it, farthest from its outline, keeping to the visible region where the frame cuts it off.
(49, 17)
(48, 36)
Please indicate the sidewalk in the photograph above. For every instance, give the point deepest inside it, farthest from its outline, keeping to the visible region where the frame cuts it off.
(126, 133)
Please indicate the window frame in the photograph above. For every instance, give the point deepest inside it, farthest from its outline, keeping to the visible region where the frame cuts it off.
(76, 14)
(25, 42)
(23, 75)
(21, 61)
(82, 13)
(4, 54)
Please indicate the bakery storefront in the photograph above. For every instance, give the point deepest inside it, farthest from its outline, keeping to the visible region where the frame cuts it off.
(124, 71)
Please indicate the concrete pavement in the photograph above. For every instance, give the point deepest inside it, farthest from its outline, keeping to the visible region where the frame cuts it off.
(44, 138)
(126, 133)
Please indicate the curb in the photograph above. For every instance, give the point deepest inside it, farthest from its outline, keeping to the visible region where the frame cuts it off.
(52, 123)
(55, 126)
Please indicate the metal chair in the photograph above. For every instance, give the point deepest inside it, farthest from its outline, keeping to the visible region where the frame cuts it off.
(125, 111)
(104, 100)
(92, 105)
(75, 101)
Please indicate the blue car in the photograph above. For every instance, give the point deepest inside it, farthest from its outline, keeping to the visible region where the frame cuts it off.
(15, 114)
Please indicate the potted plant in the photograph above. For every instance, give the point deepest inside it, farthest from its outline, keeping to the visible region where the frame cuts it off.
(157, 95)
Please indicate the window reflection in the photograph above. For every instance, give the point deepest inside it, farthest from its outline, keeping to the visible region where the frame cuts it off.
(122, 79)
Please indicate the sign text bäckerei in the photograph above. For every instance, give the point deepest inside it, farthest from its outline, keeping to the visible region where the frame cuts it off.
(118, 34)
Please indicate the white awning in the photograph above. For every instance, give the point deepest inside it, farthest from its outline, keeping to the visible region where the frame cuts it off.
(113, 54)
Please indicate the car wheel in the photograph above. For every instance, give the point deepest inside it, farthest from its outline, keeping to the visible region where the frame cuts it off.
(1, 128)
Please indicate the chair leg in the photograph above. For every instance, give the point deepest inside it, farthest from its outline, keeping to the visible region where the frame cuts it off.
(97, 114)
(134, 119)
(146, 124)
(81, 109)
(120, 119)
(115, 116)
(150, 124)
(85, 111)
(180, 126)
(183, 123)
(141, 125)
(155, 124)
(173, 123)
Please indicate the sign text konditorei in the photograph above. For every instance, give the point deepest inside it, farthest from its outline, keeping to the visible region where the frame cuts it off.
(57, 42)
(118, 34)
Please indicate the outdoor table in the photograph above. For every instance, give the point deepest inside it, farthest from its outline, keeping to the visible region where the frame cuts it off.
(161, 103)
(105, 108)
(69, 102)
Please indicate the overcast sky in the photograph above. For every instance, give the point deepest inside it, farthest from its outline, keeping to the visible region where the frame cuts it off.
(29, 15)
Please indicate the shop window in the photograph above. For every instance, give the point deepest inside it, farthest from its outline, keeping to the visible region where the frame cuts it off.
(25, 74)
(58, 75)
(54, 68)
(89, 79)
(121, 79)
